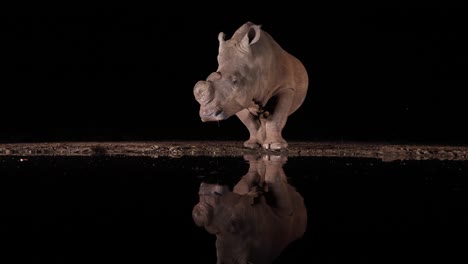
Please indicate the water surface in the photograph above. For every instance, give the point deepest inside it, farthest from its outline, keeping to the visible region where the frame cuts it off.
(106, 209)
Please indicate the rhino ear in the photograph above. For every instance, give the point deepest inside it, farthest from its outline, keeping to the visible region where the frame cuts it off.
(221, 36)
(252, 36)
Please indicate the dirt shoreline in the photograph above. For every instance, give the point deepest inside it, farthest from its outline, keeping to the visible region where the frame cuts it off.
(386, 152)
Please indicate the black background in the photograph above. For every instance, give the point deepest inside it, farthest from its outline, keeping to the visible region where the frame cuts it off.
(394, 75)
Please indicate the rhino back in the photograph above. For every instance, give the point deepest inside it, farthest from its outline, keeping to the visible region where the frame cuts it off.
(279, 70)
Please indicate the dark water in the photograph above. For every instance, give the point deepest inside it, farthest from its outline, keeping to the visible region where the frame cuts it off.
(139, 210)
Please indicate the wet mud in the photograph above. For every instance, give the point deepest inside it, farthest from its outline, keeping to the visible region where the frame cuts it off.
(383, 151)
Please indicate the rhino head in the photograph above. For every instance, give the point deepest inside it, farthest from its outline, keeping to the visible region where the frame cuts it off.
(231, 88)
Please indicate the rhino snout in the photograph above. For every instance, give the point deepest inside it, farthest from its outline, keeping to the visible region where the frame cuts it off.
(203, 92)
(208, 115)
(202, 214)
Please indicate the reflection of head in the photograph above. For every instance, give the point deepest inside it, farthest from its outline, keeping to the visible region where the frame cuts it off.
(214, 210)
(255, 221)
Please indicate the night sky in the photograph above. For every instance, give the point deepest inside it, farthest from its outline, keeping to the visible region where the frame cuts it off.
(393, 75)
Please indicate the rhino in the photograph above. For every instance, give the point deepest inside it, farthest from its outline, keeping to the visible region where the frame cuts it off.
(258, 219)
(257, 81)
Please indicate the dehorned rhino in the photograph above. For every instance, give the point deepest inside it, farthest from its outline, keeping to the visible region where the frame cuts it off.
(257, 81)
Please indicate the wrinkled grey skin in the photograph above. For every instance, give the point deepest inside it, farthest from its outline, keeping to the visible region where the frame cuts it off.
(258, 219)
(256, 80)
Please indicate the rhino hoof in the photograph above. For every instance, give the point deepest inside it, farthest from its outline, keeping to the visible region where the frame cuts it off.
(251, 144)
(275, 146)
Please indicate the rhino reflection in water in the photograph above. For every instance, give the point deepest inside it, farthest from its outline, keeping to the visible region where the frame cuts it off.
(258, 219)
(256, 80)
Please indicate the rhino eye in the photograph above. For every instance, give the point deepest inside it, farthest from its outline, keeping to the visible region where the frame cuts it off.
(234, 81)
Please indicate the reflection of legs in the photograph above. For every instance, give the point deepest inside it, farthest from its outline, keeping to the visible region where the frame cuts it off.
(253, 178)
(276, 181)
(255, 129)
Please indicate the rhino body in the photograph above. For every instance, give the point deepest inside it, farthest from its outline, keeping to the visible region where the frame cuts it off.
(257, 81)
(257, 220)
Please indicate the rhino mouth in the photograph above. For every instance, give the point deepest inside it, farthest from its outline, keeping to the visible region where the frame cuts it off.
(216, 115)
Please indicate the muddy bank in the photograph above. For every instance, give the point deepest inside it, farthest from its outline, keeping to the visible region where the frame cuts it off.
(387, 152)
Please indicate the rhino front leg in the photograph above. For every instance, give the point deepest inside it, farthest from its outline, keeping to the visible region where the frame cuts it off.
(277, 120)
(256, 131)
